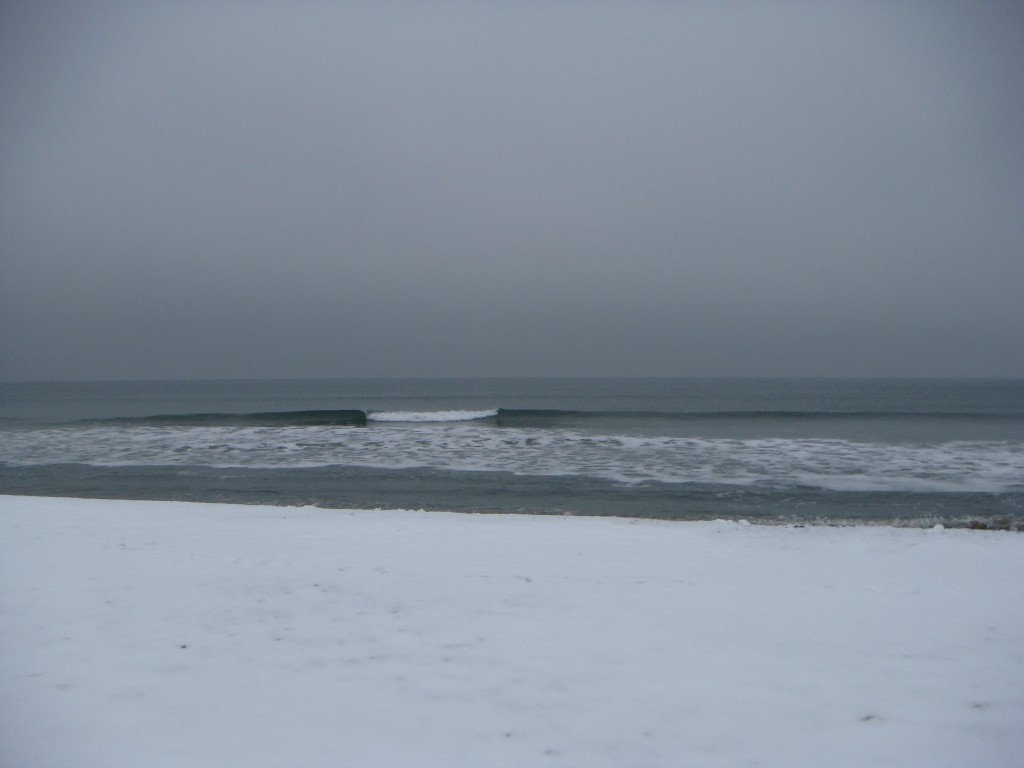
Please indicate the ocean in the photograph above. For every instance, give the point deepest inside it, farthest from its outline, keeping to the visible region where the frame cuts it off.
(906, 452)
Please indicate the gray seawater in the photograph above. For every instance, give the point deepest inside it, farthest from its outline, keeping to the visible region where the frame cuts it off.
(908, 451)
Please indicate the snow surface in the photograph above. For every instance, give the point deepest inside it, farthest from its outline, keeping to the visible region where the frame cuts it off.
(170, 634)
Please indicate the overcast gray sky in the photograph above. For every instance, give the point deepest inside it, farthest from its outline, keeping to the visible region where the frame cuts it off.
(258, 189)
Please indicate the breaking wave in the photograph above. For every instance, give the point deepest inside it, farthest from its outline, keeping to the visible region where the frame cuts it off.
(429, 416)
(524, 417)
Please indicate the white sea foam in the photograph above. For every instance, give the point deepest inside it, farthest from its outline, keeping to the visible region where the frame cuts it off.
(430, 416)
(839, 465)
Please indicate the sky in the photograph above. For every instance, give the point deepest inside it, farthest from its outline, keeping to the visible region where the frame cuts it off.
(223, 189)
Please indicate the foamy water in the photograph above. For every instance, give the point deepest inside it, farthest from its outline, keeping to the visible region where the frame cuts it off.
(838, 465)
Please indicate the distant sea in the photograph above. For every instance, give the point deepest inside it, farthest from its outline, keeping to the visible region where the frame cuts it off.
(909, 452)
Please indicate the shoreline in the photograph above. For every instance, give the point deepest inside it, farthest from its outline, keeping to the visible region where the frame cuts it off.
(170, 633)
(994, 521)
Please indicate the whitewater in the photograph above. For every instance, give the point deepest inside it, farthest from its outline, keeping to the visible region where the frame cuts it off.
(833, 464)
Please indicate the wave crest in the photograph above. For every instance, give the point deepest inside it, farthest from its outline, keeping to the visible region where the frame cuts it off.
(430, 416)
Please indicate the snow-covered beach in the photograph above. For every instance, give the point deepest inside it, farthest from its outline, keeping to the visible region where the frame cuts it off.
(170, 634)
